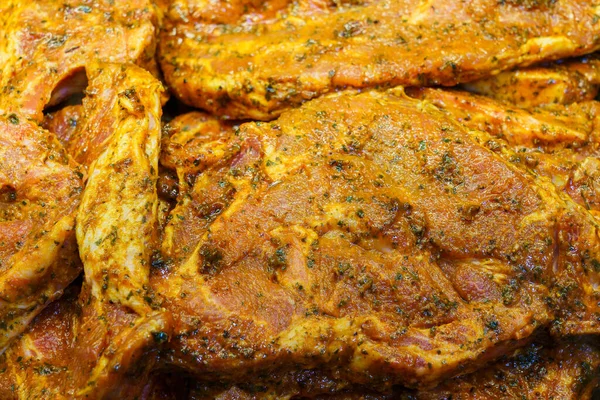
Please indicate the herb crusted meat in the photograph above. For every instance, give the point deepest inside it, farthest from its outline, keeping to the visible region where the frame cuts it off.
(328, 226)
(372, 235)
(248, 59)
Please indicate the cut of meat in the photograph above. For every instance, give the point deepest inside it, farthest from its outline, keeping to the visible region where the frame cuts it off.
(45, 45)
(569, 371)
(560, 83)
(371, 234)
(119, 140)
(41, 360)
(541, 370)
(40, 189)
(335, 224)
(248, 59)
(112, 333)
(51, 358)
(559, 142)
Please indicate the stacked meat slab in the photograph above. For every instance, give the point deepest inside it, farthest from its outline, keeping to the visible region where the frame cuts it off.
(315, 214)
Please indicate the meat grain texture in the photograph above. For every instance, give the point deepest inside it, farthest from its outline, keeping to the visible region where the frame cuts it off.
(366, 239)
(250, 59)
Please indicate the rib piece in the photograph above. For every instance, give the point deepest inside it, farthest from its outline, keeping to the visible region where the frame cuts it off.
(117, 224)
(559, 142)
(252, 60)
(371, 234)
(560, 83)
(46, 44)
(40, 189)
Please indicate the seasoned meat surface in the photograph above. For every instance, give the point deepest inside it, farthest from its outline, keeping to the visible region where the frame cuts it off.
(106, 338)
(45, 45)
(558, 142)
(192, 142)
(117, 224)
(329, 226)
(370, 234)
(50, 360)
(40, 190)
(560, 83)
(568, 370)
(248, 59)
(542, 370)
(43, 359)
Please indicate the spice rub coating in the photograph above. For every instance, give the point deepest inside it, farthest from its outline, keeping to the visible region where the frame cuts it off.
(372, 234)
(40, 190)
(45, 46)
(248, 59)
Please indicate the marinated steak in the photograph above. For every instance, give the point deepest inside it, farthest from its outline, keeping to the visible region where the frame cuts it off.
(371, 234)
(249, 59)
(45, 46)
(40, 190)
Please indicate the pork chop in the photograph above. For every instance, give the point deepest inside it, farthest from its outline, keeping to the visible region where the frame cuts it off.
(46, 44)
(250, 59)
(371, 234)
(40, 190)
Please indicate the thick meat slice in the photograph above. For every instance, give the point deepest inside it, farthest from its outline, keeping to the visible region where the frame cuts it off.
(49, 360)
(560, 83)
(40, 189)
(248, 59)
(117, 224)
(40, 363)
(117, 324)
(115, 327)
(566, 371)
(558, 142)
(541, 370)
(45, 45)
(371, 234)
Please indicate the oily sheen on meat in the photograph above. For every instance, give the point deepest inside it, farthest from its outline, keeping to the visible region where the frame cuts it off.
(371, 234)
(247, 59)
